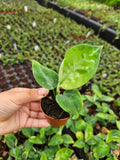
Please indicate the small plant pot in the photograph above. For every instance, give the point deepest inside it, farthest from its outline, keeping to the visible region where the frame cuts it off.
(55, 115)
(55, 122)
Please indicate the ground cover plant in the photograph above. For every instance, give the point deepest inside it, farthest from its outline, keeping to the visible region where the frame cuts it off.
(110, 2)
(98, 124)
(45, 35)
(13, 5)
(95, 131)
(98, 11)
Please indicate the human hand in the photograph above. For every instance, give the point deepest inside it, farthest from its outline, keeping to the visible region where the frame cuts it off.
(20, 108)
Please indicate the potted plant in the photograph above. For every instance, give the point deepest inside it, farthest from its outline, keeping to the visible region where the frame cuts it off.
(77, 68)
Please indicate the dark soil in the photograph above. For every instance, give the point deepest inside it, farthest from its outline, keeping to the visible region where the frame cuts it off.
(51, 107)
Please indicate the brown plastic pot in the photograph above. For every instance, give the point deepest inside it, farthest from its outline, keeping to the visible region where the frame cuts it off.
(55, 122)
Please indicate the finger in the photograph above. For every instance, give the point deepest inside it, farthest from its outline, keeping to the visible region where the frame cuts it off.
(27, 95)
(35, 106)
(38, 123)
(36, 115)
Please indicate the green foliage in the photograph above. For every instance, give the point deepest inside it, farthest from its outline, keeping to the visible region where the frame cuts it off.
(110, 2)
(11, 140)
(79, 135)
(44, 76)
(79, 144)
(55, 140)
(67, 139)
(98, 10)
(118, 124)
(28, 132)
(63, 154)
(88, 132)
(101, 150)
(79, 65)
(43, 156)
(71, 98)
(85, 126)
(113, 135)
(16, 152)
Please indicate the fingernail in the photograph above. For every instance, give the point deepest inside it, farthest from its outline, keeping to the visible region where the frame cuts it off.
(43, 91)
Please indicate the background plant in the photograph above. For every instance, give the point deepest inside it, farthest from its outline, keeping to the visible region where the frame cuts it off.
(102, 12)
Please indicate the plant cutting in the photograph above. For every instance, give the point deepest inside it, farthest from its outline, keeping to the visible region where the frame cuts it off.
(77, 68)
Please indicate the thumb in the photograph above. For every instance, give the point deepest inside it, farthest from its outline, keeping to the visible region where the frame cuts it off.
(24, 95)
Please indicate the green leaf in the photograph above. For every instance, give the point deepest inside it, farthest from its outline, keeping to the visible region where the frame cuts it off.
(80, 125)
(79, 143)
(102, 115)
(11, 140)
(79, 65)
(107, 98)
(0, 137)
(94, 140)
(88, 132)
(43, 156)
(79, 135)
(86, 148)
(96, 89)
(63, 154)
(51, 151)
(28, 145)
(71, 124)
(45, 77)
(70, 101)
(67, 139)
(16, 152)
(84, 111)
(113, 145)
(37, 140)
(109, 137)
(118, 124)
(28, 132)
(91, 119)
(89, 98)
(115, 135)
(55, 140)
(49, 130)
(101, 150)
(112, 118)
(92, 157)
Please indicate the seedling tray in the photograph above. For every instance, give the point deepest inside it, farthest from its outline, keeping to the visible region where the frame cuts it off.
(18, 75)
(108, 34)
(8, 12)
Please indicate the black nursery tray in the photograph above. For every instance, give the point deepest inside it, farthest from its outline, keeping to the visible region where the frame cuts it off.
(108, 34)
(18, 75)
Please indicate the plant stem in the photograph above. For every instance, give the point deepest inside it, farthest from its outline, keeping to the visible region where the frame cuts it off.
(58, 89)
(54, 92)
